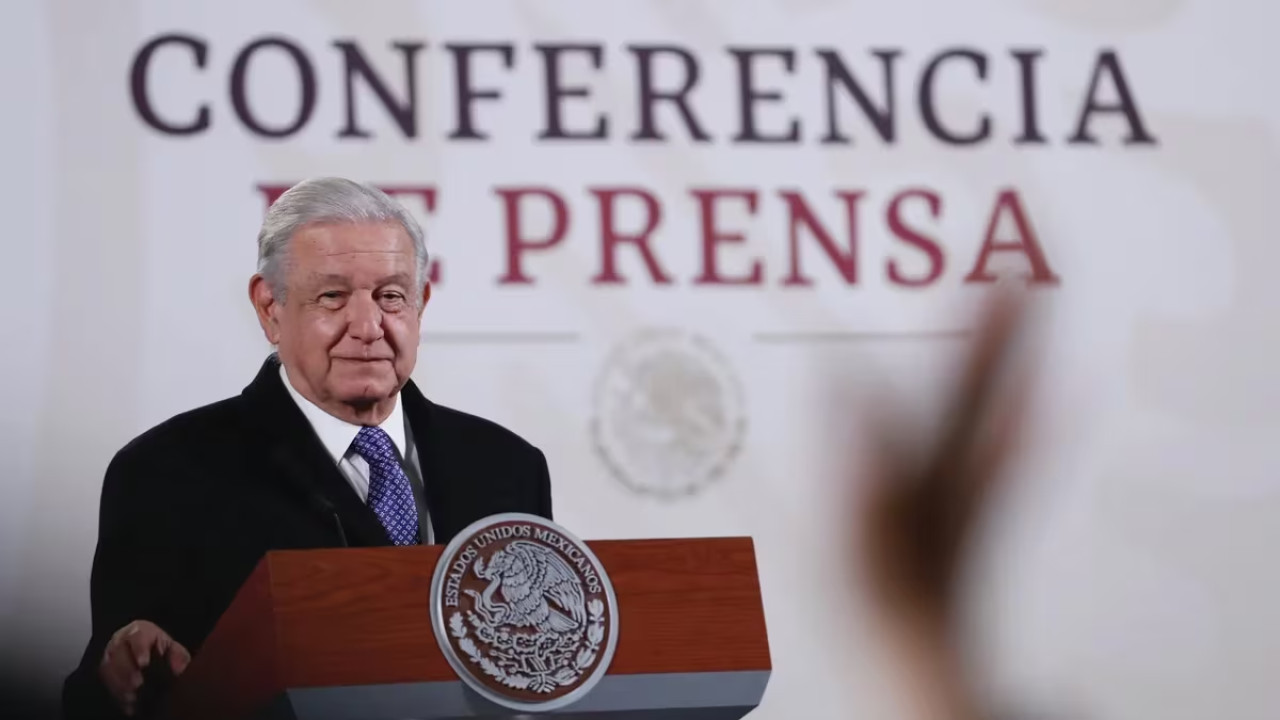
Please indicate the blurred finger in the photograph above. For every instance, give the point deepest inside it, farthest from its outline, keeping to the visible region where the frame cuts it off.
(179, 658)
(117, 667)
(994, 338)
(1002, 435)
(972, 400)
(139, 643)
(129, 692)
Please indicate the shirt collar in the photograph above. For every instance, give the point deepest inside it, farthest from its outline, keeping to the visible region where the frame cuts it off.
(336, 434)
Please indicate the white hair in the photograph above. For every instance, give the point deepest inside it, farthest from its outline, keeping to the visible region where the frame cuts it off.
(330, 200)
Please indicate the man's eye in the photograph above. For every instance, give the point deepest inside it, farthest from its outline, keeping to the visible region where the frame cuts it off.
(331, 295)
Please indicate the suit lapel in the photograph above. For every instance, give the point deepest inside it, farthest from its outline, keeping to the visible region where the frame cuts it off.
(299, 459)
(440, 495)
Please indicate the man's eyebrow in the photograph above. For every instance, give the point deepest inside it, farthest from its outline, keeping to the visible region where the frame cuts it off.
(343, 280)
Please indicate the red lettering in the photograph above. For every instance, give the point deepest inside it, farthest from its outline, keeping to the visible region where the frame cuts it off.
(914, 237)
(517, 243)
(611, 237)
(798, 213)
(1026, 243)
(425, 192)
(272, 193)
(713, 237)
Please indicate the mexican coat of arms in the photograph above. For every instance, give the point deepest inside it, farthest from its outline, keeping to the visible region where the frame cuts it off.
(524, 612)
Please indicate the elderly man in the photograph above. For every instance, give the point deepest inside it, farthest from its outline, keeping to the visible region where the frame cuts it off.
(330, 445)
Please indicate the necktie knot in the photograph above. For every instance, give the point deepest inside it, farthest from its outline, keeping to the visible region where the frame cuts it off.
(374, 445)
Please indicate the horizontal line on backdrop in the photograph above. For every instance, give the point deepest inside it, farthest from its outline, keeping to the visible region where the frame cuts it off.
(502, 338)
(799, 338)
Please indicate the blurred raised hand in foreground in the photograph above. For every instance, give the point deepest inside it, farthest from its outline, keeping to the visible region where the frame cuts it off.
(921, 501)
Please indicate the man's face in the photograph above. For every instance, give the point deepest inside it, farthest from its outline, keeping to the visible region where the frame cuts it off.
(347, 331)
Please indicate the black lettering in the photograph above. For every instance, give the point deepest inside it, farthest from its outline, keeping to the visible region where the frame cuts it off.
(138, 85)
(557, 92)
(749, 96)
(306, 85)
(467, 95)
(1108, 64)
(1031, 134)
(649, 95)
(928, 108)
(881, 118)
(403, 113)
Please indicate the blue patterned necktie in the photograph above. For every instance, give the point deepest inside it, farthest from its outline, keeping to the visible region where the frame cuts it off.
(390, 495)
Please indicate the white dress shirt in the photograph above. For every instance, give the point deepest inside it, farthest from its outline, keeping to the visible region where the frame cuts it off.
(337, 435)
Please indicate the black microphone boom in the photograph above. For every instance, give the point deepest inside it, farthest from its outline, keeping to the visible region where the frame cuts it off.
(298, 479)
(328, 508)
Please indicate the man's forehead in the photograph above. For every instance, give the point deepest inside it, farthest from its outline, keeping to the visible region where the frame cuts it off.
(341, 238)
(340, 252)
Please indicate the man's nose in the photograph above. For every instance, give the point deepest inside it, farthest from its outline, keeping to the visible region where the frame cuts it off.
(364, 321)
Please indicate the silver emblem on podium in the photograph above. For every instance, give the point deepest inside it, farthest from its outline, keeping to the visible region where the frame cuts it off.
(524, 612)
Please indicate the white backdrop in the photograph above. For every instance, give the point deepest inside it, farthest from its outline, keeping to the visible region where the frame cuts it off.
(1129, 574)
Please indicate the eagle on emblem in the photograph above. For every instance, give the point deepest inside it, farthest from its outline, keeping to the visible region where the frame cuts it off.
(539, 589)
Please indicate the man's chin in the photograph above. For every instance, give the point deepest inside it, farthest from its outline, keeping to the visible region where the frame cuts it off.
(365, 400)
(367, 388)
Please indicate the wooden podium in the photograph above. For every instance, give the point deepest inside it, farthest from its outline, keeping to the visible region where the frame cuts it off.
(347, 635)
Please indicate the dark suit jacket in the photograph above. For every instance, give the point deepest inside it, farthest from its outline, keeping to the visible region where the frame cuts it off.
(189, 507)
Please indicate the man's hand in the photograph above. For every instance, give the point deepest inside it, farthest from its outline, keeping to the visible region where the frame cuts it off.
(129, 653)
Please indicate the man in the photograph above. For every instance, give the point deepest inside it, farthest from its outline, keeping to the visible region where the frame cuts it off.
(330, 445)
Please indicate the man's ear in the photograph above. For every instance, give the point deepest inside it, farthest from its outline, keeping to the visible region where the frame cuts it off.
(266, 306)
(426, 295)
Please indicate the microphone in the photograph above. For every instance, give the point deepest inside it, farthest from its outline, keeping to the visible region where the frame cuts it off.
(327, 508)
(318, 502)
